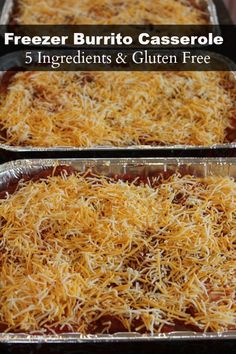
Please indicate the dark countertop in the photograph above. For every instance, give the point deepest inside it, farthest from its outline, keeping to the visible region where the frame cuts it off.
(160, 347)
(222, 12)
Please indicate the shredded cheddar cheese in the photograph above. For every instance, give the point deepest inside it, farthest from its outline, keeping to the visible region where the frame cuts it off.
(84, 109)
(111, 12)
(76, 249)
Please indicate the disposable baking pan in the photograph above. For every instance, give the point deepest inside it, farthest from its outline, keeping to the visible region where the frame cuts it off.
(203, 167)
(15, 60)
(209, 5)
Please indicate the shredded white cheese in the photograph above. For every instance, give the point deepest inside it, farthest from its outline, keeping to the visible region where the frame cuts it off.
(77, 249)
(111, 12)
(117, 108)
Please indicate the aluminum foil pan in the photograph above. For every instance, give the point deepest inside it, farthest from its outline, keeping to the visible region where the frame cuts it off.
(201, 167)
(207, 4)
(15, 59)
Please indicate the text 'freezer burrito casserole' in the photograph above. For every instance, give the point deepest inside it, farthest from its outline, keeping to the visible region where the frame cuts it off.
(75, 12)
(89, 109)
(86, 253)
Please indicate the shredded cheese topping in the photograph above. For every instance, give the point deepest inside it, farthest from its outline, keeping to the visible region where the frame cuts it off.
(111, 12)
(77, 248)
(85, 109)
